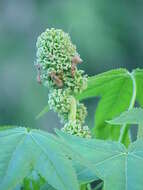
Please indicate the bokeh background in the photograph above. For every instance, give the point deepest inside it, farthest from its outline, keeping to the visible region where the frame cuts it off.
(108, 34)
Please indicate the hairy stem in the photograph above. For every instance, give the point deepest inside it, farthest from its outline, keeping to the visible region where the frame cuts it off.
(72, 114)
(124, 127)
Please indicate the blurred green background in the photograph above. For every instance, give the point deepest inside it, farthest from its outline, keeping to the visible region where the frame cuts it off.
(108, 35)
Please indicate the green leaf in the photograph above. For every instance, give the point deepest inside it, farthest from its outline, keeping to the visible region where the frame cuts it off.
(116, 92)
(139, 82)
(18, 187)
(118, 167)
(4, 127)
(33, 182)
(43, 112)
(133, 116)
(84, 174)
(22, 151)
(47, 187)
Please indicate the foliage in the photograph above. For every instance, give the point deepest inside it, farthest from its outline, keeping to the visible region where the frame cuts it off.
(120, 168)
(117, 89)
(134, 116)
(23, 150)
(32, 159)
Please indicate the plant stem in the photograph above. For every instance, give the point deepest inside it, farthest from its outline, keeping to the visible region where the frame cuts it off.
(124, 127)
(83, 187)
(89, 187)
(72, 114)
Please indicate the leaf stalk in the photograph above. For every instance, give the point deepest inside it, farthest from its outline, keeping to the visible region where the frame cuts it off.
(124, 127)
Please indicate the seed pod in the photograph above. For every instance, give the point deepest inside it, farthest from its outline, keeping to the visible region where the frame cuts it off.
(56, 79)
(76, 59)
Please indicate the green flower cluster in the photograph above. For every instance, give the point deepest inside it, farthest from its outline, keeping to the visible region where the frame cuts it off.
(57, 61)
(59, 101)
(75, 129)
